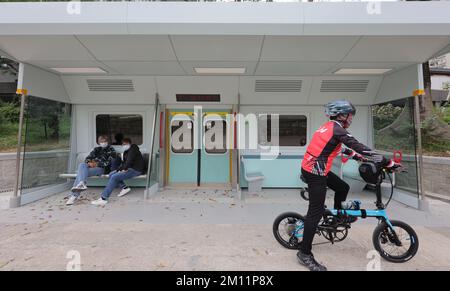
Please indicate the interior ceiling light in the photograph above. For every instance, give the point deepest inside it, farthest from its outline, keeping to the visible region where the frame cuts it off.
(346, 71)
(219, 70)
(91, 70)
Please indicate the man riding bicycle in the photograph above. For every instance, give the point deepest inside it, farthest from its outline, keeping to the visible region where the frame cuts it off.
(325, 145)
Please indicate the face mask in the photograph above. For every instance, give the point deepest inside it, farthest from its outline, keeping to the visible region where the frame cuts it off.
(126, 147)
(348, 121)
(103, 144)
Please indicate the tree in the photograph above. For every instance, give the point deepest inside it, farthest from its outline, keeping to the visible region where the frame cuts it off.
(432, 124)
(47, 113)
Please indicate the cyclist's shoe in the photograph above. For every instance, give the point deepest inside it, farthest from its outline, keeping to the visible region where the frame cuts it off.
(309, 262)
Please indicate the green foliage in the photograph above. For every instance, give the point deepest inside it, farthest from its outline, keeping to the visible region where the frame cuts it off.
(9, 112)
(434, 140)
(47, 125)
(384, 115)
(392, 132)
(446, 114)
(9, 124)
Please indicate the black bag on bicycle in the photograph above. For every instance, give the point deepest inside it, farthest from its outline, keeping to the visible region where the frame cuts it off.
(370, 172)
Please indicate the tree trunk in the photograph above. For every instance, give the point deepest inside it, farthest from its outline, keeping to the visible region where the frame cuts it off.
(426, 101)
(45, 131)
(435, 127)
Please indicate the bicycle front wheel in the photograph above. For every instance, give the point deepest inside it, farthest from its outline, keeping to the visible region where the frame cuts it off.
(396, 250)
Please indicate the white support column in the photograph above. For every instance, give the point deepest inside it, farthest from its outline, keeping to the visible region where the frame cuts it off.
(16, 199)
(423, 203)
(237, 152)
(150, 191)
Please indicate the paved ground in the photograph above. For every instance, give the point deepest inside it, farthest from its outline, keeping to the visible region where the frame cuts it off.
(200, 230)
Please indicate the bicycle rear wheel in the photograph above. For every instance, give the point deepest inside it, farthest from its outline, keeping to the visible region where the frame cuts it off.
(288, 229)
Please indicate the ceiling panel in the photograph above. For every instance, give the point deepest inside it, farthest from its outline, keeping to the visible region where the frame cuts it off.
(306, 48)
(189, 66)
(146, 68)
(129, 47)
(293, 68)
(396, 49)
(217, 48)
(38, 47)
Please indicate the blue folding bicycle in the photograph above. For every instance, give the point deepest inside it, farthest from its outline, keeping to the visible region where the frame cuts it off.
(394, 240)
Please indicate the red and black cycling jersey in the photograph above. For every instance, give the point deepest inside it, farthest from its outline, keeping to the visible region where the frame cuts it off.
(326, 144)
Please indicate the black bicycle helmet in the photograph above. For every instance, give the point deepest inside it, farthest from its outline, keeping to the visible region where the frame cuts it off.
(334, 108)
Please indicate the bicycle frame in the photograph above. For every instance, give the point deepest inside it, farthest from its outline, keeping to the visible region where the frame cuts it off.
(379, 214)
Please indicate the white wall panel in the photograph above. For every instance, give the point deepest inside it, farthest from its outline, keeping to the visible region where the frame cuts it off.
(249, 96)
(41, 83)
(85, 116)
(144, 90)
(398, 85)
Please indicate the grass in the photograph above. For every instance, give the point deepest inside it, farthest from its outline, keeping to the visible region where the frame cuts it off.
(433, 146)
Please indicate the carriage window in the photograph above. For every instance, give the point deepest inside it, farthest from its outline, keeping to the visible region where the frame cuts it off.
(291, 130)
(216, 136)
(182, 136)
(119, 126)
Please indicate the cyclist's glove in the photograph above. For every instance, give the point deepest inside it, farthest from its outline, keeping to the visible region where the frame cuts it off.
(351, 154)
(381, 160)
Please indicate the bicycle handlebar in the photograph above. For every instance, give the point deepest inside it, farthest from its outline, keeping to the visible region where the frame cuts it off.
(394, 165)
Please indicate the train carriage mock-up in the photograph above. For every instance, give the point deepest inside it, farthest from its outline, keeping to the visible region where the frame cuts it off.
(172, 76)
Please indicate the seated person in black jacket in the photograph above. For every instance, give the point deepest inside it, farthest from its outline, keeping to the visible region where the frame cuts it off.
(132, 166)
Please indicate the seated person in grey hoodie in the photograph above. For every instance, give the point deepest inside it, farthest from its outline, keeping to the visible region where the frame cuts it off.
(97, 163)
(133, 165)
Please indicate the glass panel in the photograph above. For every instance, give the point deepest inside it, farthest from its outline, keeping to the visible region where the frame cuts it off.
(9, 126)
(118, 126)
(291, 131)
(394, 130)
(216, 136)
(154, 156)
(182, 136)
(47, 143)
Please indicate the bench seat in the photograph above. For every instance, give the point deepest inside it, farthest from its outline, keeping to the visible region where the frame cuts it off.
(73, 176)
(254, 179)
(101, 181)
